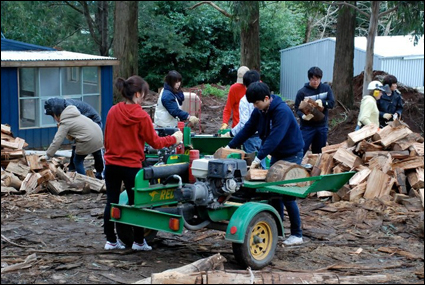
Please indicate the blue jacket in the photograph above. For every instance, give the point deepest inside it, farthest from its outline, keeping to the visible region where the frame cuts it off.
(389, 104)
(169, 101)
(278, 129)
(328, 102)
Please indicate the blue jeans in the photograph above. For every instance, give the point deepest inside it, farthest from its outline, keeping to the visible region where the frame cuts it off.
(314, 136)
(289, 201)
(253, 144)
(98, 163)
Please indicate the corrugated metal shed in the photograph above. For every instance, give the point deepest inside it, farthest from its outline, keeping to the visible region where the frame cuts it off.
(395, 55)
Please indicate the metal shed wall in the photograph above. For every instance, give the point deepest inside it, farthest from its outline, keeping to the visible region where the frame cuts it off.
(296, 61)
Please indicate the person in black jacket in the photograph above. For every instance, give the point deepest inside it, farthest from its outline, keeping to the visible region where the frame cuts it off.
(390, 105)
(315, 133)
(86, 110)
(280, 137)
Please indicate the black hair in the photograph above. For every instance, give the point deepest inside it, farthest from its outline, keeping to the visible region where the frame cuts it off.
(390, 80)
(314, 71)
(257, 91)
(172, 78)
(251, 76)
(131, 86)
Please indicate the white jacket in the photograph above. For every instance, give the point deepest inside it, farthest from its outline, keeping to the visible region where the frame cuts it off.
(162, 117)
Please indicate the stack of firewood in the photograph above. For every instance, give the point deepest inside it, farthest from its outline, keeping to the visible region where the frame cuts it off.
(25, 174)
(388, 161)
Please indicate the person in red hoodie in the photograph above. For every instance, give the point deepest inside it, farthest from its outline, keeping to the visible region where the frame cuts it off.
(127, 129)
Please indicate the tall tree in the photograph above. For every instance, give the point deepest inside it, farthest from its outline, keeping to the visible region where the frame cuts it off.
(246, 14)
(342, 81)
(125, 44)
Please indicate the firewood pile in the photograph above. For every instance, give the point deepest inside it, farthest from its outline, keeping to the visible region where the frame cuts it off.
(25, 174)
(388, 161)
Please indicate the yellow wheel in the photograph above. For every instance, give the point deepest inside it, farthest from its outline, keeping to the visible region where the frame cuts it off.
(260, 241)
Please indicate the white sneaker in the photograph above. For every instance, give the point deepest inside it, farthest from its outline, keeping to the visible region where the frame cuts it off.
(117, 245)
(293, 240)
(144, 246)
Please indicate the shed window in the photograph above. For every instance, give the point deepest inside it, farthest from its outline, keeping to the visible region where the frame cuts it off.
(36, 85)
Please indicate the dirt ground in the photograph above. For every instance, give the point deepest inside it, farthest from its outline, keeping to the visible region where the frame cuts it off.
(63, 235)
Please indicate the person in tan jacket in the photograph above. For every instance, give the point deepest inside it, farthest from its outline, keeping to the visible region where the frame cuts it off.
(87, 134)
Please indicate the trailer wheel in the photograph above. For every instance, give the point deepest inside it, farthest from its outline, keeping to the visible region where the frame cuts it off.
(260, 241)
(126, 235)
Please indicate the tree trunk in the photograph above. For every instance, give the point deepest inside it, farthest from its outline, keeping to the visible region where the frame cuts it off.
(125, 40)
(102, 26)
(250, 39)
(342, 81)
(373, 26)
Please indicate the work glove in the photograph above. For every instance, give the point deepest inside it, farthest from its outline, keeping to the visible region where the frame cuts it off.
(179, 136)
(319, 102)
(227, 147)
(307, 117)
(387, 116)
(395, 116)
(43, 158)
(256, 163)
(193, 119)
(227, 135)
(224, 126)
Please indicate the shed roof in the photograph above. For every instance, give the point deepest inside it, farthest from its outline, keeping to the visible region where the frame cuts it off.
(7, 44)
(53, 58)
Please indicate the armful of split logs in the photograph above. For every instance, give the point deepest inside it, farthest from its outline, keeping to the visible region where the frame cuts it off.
(309, 106)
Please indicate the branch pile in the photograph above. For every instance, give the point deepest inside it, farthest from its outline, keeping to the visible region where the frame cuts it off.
(25, 174)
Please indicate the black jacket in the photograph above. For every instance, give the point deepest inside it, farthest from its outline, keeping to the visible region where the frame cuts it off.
(389, 104)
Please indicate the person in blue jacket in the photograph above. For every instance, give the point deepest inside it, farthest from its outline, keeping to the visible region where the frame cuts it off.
(168, 111)
(281, 138)
(390, 105)
(315, 132)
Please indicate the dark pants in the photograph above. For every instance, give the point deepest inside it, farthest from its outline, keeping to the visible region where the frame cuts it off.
(289, 201)
(114, 176)
(98, 163)
(316, 137)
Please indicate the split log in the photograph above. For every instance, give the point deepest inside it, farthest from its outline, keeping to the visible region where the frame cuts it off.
(416, 178)
(307, 107)
(95, 184)
(419, 148)
(410, 163)
(359, 177)
(395, 154)
(365, 146)
(6, 129)
(407, 141)
(46, 175)
(33, 162)
(333, 148)
(421, 192)
(256, 174)
(30, 182)
(316, 166)
(18, 143)
(389, 135)
(359, 135)
(326, 166)
(381, 162)
(284, 170)
(347, 158)
(11, 180)
(358, 192)
(379, 184)
(13, 154)
(400, 180)
(61, 187)
(206, 264)
(224, 152)
(21, 170)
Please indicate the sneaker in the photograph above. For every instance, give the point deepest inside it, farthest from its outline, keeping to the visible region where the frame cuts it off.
(111, 245)
(293, 240)
(144, 246)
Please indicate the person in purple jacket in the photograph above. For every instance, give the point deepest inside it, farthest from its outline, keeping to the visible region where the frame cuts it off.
(280, 137)
(315, 133)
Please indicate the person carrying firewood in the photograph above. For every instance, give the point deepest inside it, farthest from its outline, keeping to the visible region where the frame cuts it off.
(314, 123)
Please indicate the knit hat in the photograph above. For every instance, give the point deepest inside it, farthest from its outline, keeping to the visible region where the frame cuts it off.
(241, 72)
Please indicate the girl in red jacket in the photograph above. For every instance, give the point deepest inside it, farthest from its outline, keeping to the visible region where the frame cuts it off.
(127, 129)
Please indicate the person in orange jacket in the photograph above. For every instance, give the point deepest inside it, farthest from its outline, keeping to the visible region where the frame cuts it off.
(236, 92)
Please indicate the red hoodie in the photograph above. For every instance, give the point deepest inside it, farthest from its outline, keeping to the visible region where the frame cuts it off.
(127, 129)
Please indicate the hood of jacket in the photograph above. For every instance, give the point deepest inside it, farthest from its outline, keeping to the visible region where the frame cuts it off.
(70, 112)
(129, 114)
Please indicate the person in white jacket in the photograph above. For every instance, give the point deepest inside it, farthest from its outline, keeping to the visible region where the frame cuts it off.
(369, 113)
(87, 134)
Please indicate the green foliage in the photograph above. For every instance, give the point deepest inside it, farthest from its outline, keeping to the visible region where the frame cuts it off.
(214, 91)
